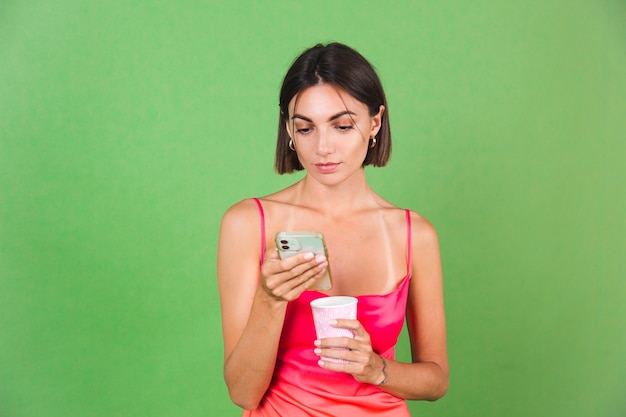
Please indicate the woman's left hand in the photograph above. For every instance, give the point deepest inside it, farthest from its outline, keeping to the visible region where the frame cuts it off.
(361, 361)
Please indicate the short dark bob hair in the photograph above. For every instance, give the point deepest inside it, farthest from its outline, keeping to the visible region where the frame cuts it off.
(338, 65)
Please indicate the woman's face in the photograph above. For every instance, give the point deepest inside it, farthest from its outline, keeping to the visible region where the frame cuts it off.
(331, 131)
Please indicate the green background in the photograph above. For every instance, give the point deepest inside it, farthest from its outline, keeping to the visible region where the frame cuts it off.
(127, 128)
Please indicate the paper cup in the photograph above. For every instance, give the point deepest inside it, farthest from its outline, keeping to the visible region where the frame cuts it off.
(327, 309)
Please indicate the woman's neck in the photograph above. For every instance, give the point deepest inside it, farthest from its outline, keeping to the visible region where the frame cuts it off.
(337, 199)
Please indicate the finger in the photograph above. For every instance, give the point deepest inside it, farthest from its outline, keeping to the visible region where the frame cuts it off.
(338, 355)
(303, 274)
(357, 328)
(296, 286)
(287, 263)
(336, 343)
(293, 266)
(313, 265)
(343, 360)
(348, 324)
(304, 262)
(353, 362)
(290, 284)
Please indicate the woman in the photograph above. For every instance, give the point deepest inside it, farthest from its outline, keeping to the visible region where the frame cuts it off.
(333, 122)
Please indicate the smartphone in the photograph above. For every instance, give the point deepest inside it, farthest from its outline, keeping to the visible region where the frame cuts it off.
(293, 243)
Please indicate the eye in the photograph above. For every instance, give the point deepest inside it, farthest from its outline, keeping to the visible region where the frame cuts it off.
(344, 124)
(303, 130)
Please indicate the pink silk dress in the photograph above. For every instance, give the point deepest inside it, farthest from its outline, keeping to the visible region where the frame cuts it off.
(300, 387)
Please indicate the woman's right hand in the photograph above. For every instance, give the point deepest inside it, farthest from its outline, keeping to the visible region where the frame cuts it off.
(285, 279)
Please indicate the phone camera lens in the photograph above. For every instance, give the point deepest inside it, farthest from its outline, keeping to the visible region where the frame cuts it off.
(285, 247)
(284, 241)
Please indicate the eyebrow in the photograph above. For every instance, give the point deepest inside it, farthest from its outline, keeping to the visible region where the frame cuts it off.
(330, 119)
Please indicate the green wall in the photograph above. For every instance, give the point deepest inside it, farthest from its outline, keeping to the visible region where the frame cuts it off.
(127, 128)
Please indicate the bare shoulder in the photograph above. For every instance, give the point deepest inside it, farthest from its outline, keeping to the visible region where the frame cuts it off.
(423, 233)
(240, 228)
(241, 215)
(239, 240)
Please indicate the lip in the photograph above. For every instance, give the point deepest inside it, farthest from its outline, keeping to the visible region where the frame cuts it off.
(326, 167)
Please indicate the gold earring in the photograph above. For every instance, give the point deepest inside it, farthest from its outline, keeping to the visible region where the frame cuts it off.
(292, 146)
(373, 144)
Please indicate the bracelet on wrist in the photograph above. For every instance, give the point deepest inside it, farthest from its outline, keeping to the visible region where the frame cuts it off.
(384, 381)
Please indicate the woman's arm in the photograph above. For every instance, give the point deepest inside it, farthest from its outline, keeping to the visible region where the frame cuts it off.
(427, 377)
(254, 301)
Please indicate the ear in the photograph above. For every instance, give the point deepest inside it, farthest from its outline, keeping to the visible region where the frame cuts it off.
(377, 120)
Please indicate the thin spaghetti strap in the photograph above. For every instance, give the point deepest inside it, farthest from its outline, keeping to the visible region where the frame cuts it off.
(258, 203)
(408, 240)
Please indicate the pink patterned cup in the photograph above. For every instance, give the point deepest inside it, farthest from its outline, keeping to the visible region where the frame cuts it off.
(326, 309)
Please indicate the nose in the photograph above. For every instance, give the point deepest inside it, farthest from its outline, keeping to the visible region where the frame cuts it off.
(324, 143)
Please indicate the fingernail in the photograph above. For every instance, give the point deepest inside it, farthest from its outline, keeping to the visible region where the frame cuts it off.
(308, 256)
(332, 322)
(320, 258)
(317, 342)
(317, 351)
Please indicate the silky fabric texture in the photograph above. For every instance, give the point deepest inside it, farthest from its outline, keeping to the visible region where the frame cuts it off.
(300, 387)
